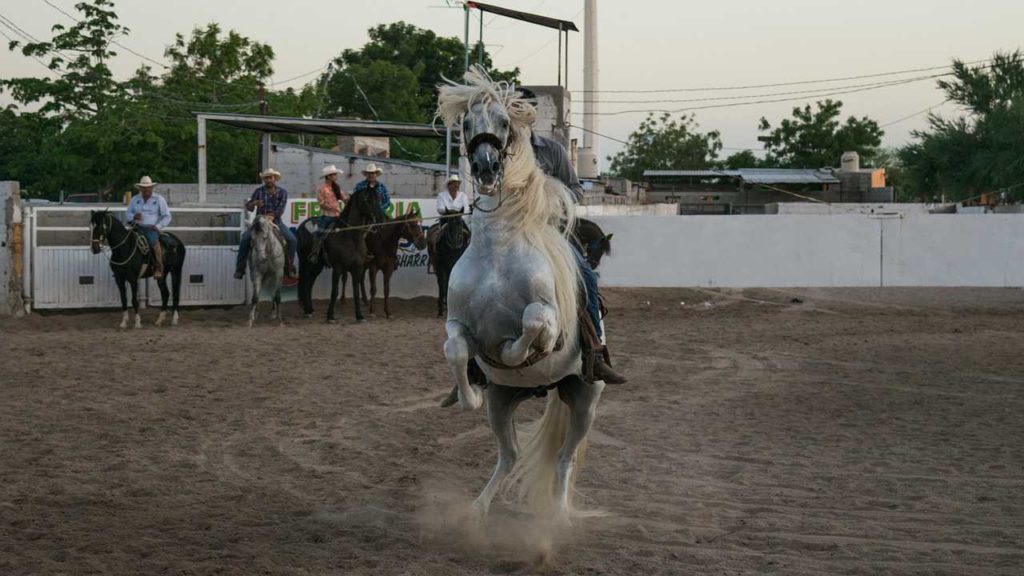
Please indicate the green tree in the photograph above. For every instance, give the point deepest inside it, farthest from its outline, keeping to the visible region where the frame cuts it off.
(103, 133)
(817, 139)
(981, 151)
(664, 143)
(742, 159)
(395, 76)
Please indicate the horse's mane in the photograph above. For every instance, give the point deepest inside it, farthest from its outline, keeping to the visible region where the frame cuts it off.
(534, 207)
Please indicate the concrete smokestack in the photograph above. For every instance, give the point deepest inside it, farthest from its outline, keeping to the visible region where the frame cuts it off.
(590, 153)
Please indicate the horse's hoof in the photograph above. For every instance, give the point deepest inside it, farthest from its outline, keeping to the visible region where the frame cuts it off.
(331, 321)
(174, 319)
(389, 316)
(361, 321)
(307, 316)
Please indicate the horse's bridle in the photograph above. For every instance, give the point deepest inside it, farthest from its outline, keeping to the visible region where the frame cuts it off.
(502, 148)
(108, 224)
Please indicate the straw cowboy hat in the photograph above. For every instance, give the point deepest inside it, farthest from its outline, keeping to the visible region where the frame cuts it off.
(145, 182)
(270, 172)
(328, 170)
(372, 168)
(453, 178)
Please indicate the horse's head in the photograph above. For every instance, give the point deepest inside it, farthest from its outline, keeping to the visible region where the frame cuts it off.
(492, 116)
(485, 129)
(412, 230)
(598, 248)
(100, 222)
(455, 232)
(366, 203)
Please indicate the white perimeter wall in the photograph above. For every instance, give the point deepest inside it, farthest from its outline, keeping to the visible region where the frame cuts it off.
(815, 250)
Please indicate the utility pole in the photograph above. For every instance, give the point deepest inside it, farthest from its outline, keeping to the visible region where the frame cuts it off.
(264, 160)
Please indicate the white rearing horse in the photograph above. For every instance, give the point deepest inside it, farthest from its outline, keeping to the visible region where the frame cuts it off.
(513, 298)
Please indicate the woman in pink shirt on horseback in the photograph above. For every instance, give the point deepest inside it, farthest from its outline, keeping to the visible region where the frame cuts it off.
(331, 197)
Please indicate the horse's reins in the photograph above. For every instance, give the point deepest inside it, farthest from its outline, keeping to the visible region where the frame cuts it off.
(108, 224)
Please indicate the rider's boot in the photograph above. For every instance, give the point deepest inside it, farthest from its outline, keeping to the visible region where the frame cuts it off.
(597, 362)
(158, 260)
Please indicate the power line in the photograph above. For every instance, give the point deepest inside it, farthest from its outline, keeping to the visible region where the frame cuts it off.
(613, 139)
(779, 84)
(909, 116)
(768, 101)
(41, 63)
(274, 83)
(747, 96)
(112, 41)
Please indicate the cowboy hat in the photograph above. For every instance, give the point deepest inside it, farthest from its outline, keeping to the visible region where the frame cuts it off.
(328, 170)
(372, 168)
(270, 172)
(453, 178)
(145, 182)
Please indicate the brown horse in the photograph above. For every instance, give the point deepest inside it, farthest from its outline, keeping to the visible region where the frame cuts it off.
(382, 245)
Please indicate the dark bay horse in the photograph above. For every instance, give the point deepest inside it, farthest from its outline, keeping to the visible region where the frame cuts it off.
(130, 261)
(594, 241)
(344, 251)
(382, 244)
(453, 242)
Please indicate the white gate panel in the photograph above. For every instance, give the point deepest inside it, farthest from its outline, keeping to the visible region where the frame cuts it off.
(207, 278)
(72, 277)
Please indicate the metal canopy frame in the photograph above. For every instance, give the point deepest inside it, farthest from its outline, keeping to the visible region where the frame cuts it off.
(266, 125)
(563, 27)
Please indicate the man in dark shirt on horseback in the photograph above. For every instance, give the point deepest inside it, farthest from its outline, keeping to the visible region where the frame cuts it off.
(269, 200)
(554, 161)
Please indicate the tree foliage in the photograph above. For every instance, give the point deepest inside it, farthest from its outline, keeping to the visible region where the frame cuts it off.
(395, 76)
(82, 130)
(815, 138)
(664, 143)
(981, 151)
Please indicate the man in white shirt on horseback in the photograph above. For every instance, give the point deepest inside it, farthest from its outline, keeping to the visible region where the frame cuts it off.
(149, 213)
(449, 203)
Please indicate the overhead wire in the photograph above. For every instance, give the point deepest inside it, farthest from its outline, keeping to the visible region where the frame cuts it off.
(112, 41)
(762, 101)
(780, 84)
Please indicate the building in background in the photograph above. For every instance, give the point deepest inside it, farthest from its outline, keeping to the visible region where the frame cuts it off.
(750, 190)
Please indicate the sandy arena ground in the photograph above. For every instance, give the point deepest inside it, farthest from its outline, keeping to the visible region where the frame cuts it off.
(855, 432)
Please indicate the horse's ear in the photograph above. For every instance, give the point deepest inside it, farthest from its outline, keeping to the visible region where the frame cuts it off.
(607, 243)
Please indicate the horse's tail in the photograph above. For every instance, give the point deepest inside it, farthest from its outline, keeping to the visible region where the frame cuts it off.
(532, 480)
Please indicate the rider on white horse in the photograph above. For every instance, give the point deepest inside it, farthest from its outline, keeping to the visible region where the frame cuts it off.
(269, 200)
(554, 161)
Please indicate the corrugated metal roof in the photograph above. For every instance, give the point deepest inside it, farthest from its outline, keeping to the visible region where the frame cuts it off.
(378, 159)
(754, 175)
(787, 176)
(688, 173)
(280, 124)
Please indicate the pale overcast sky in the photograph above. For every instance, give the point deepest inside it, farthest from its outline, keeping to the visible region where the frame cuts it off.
(649, 45)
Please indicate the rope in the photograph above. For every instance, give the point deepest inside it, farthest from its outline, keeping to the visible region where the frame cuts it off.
(393, 222)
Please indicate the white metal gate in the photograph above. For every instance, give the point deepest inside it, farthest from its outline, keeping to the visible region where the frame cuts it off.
(62, 272)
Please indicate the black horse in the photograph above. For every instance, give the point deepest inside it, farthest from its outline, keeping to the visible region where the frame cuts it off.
(453, 242)
(593, 240)
(130, 260)
(344, 250)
